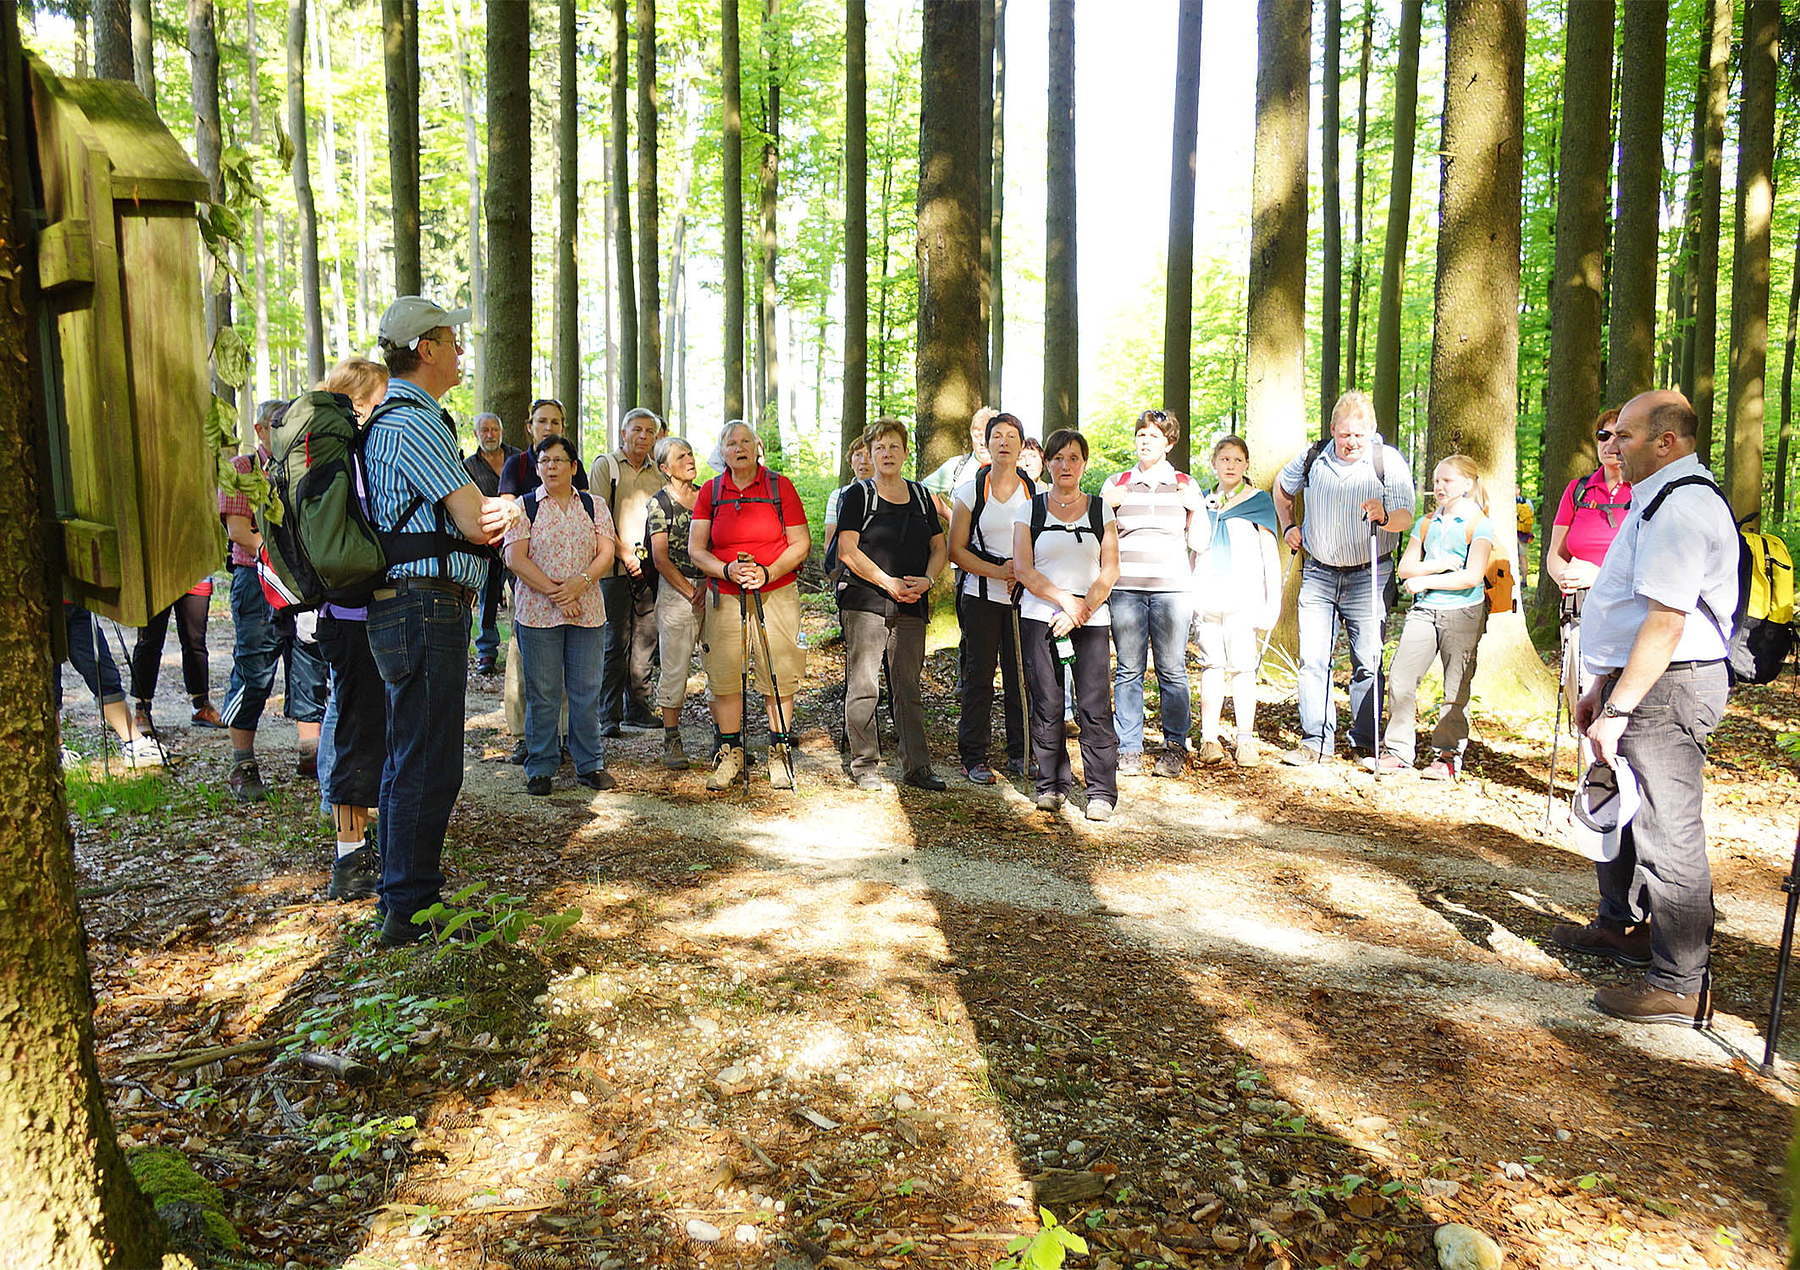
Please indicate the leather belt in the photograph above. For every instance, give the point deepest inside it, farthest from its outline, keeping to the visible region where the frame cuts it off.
(409, 586)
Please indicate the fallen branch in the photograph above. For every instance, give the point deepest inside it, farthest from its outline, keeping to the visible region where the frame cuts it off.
(749, 1144)
(345, 1069)
(182, 1060)
(101, 892)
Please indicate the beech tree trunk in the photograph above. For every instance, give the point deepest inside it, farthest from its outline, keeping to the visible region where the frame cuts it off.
(66, 1196)
(1331, 302)
(264, 375)
(767, 342)
(621, 204)
(649, 256)
(1750, 259)
(1578, 279)
(730, 74)
(984, 165)
(111, 21)
(143, 50)
(477, 336)
(1178, 304)
(1631, 329)
(303, 193)
(1062, 314)
(856, 232)
(568, 193)
(996, 210)
(403, 142)
(203, 75)
(1351, 347)
(1785, 437)
(508, 384)
(1700, 364)
(1393, 259)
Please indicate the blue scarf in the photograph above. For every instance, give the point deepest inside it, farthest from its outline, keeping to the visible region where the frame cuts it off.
(1258, 509)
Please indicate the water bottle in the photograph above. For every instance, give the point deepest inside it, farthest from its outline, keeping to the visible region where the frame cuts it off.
(1065, 650)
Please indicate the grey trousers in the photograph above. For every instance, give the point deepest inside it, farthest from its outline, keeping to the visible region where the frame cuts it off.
(901, 639)
(1661, 873)
(1449, 636)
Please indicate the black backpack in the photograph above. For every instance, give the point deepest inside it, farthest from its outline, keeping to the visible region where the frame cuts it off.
(1585, 501)
(534, 500)
(977, 544)
(1755, 646)
(836, 572)
(1043, 523)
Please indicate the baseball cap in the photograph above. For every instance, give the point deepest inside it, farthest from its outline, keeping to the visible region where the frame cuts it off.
(413, 316)
(1608, 797)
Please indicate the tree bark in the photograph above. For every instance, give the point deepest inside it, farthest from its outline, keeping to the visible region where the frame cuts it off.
(730, 73)
(303, 192)
(1178, 290)
(112, 39)
(1700, 368)
(996, 213)
(984, 166)
(332, 269)
(509, 307)
(1062, 315)
(1631, 330)
(621, 205)
(1331, 302)
(203, 64)
(1393, 259)
(1475, 341)
(1750, 259)
(1351, 347)
(264, 377)
(856, 232)
(768, 344)
(143, 49)
(460, 25)
(1786, 435)
(649, 255)
(403, 144)
(568, 192)
(1578, 277)
(66, 1198)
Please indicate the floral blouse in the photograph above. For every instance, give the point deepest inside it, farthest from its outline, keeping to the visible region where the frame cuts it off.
(562, 540)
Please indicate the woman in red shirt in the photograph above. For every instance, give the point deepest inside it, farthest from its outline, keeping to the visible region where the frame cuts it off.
(749, 534)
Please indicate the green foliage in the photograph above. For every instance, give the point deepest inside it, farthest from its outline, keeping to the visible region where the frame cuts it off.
(348, 1138)
(501, 917)
(1045, 1250)
(380, 1024)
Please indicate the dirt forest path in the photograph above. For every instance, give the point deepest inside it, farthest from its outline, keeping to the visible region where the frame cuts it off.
(1271, 1017)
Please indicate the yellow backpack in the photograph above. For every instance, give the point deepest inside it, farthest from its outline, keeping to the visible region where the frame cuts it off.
(1771, 578)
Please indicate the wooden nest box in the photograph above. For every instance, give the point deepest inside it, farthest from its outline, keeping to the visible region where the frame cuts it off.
(132, 478)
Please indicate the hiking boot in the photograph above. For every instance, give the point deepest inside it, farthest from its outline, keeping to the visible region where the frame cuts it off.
(1642, 1002)
(246, 783)
(728, 765)
(1385, 763)
(599, 778)
(1248, 752)
(538, 786)
(1212, 752)
(307, 769)
(925, 778)
(1048, 802)
(1099, 810)
(1016, 767)
(398, 931)
(1630, 947)
(1134, 764)
(781, 767)
(141, 713)
(979, 774)
(871, 783)
(1303, 756)
(1172, 763)
(674, 757)
(1439, 769)
(356, 876)
(520, 753)
(206, 715)
(487, 666)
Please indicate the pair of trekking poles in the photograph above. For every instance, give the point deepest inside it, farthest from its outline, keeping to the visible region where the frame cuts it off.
(748, 602)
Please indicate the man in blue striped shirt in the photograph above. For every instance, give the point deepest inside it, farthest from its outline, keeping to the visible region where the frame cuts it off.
(419, 490)
(1355, 486)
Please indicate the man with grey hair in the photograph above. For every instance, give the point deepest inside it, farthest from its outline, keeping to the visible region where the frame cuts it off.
(629, 642)
(484, 468)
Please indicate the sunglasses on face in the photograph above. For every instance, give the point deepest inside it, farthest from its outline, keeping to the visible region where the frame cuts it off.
(1603, 434)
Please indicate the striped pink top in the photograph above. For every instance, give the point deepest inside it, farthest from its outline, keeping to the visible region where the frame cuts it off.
(1152, 509)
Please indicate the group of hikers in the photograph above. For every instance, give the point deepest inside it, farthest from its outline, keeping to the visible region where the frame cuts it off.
(620, 572)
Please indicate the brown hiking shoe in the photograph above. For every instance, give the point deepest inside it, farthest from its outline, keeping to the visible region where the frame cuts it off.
(1626, 947)
(1641, 1002)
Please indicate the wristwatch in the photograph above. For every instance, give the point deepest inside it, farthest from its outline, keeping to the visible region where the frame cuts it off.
(1610, 711)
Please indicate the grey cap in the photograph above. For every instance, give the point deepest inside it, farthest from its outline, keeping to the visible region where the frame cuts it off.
(413, 316)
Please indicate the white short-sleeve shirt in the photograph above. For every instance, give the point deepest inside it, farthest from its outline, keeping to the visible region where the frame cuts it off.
(994, 533)
(1070, 560)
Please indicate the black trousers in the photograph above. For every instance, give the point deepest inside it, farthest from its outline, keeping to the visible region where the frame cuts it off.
(190, 629)
(987, 635)
(359, 737)
(1093, 707)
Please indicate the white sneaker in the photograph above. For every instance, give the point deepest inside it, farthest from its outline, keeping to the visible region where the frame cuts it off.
(143, 752)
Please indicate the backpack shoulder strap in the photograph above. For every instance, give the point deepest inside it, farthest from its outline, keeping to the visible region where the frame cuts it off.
(920, 499)
(1678, 483)
(870, 501)
(1380, 459)
(1096, 516)
(1313, 452)
(1040, 509)
(587, 505)
(530, 502)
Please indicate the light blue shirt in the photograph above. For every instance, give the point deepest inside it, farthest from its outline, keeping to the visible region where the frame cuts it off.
(411, 452)
(1333, 530)
(1451, 538)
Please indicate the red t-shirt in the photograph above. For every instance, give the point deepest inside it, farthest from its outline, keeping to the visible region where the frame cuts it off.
(1593, 527)
(759, 528)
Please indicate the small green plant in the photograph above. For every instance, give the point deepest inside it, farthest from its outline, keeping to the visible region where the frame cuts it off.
(380, 1024)
(500, 917)
(1045, 1250)
(199, 1098)
(350, 1139)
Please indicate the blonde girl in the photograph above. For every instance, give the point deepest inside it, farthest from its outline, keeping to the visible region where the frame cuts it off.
(1237, 593)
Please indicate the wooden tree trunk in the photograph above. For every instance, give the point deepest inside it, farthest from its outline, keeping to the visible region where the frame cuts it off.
(856, 232)
(403, 144)
(143, 50)
(203, 76)
(326, 180)
(112, 39)
(984, 165)
(1393, 259)
(508, 383)
(1750, 259)
(263, 376)
(1786, 435)
(1701, 366)
(460, 25)
(949, 347)
(1062, 314)
(649, 255)
(996, 319)
(768, 343)
(1578, 278)
(1178, 290)
(1475, 342)
(1352, 374)
(1331, 301)
(568, 198)
(303, 193)
(67, 1199)
(606, 272)
(730, 74)
(621, 204)
(1631, 343)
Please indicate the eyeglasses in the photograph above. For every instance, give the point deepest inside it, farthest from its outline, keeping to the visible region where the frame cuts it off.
(452, 340)
(1602, 434)
(553, 460)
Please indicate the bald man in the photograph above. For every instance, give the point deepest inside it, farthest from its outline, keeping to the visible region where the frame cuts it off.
(1654, 633)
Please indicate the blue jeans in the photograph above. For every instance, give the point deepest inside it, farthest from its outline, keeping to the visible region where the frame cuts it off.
(260, 641)
(1328, 597)
(420, 640)
(1145, 624)
(554, 661)
(487, 638)
(90, 656)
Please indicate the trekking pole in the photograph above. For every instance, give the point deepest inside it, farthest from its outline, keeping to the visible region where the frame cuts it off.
(762, 635)
(1024, 693)
(1375, 620)
(1791, 885)
(744, 684)
(1555, 737)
